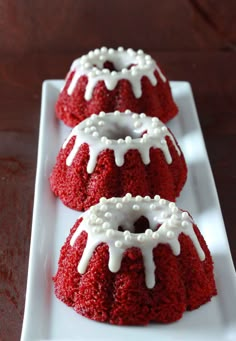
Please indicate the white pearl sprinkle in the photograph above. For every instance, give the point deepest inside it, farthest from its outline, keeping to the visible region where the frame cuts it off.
(153, 207)
(119, 141)
(130, 51)
(128, 195)
(95, 134)
(94, 117)
(138, 198)
(96, 229)
(184, 215)
(140, 52)
(113, 200)
(117, 113)
(106, 71)
(93, 128)
(148, 232)
(91, 74)
(103, 207)
(170, 234)
(127, 238)
(113, 73)
(93, 217)
(137, 124)
(136, 207)
(108, 215)
(87, 130)
(147, 198)
(127, 111)
(174, 209)
(87, 65)
(120, 49)
(157, 197)
(90, 54)
(110, 233)
(126, 233)
(104, 49)
(128, 139)
(134, 116)
(106, 225)
(118, 243)
(185, 224)
(174, 217)
(142, 115)
(124, 71)
(83, 59)
(111, 51)
(103, 139)
(108, 142)
(155, 235)
(101, 123)
(162, 201)
(119, 205)
(103, 200)
(96, 52)
(102, 114)
(157, 131)
(99, 221)
(141, 238)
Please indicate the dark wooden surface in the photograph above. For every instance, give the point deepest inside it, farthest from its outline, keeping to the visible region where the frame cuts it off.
(193, 40)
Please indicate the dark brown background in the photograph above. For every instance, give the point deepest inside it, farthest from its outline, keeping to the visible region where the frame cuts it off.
(193, 40)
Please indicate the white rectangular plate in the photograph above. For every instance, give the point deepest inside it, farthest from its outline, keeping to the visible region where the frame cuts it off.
(46, 318)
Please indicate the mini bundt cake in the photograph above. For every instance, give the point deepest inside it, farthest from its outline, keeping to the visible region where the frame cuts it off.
(134, 260)
(108, 80)
(109, 155)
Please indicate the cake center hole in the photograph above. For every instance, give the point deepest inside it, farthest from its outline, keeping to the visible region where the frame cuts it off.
(117, 130)
(140, 225)
(115, 67)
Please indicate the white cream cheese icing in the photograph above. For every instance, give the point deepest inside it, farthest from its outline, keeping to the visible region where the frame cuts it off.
(92, 65)
(111, 131)
(101, 222)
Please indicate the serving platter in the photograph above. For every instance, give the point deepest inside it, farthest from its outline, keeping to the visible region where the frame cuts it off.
(47, 318)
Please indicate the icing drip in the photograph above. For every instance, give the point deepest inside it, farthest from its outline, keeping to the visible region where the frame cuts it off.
(92, 65)
(124, 212)
(146, 133)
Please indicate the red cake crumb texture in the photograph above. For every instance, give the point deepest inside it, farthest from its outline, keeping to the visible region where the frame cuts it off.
(79, 189)
(182, 281)
(108, 80)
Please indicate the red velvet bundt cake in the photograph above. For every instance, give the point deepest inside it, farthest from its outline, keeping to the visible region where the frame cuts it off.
(109, 155)
(108, 80)
(134, 260)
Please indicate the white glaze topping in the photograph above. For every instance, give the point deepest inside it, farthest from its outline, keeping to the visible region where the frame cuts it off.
(101, 223)
(92, 65)
(114, 134)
